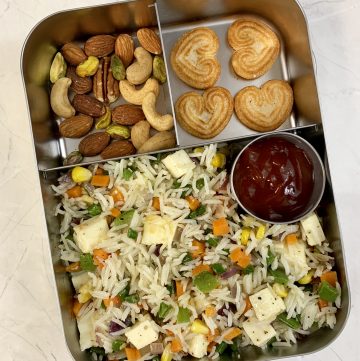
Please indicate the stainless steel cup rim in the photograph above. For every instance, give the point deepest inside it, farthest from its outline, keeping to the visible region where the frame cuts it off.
(318, 168)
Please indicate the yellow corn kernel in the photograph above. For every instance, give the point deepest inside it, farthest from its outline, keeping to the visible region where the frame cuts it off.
(80, 175)
(260, 233)
(306, 279)
(280, 290)
(166, 355)
(199, 150)
(88, 67)
(245, 235)
(199, 327)
(219, 160)
(84, 293)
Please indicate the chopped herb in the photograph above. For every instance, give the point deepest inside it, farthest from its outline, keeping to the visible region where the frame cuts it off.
(163, 310)
(226, 250)
(221, 348)
(270, 258)
(198, 212)
(271, 341)
(176, 185)
(98, 350)
(86, 262)
(207, 231)
(218, 268)
(206, 282)
(200, 183)
(188, 258)
(291, 322)
(132, 233)
(171, 288)
(103, 305)
(94, 210)
(127, 174)
(279, 276)
(156, 358)
(134, 298)
(328, 292)
(183, 315)
(124, 218)
(248, 270)
(124, 293)
(213, 242)
(186, 192)
(116, 345)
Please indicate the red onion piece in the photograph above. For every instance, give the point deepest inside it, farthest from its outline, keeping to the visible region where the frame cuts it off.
(156, 348)
(231, 272)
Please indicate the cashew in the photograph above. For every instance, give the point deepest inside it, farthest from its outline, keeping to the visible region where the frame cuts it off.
(134, 96)
(140, 133)
(59, 99)
(140, 70)
(156, 120)
(161, 140)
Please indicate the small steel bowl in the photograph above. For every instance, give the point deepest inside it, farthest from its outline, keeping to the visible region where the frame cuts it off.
(319, 176)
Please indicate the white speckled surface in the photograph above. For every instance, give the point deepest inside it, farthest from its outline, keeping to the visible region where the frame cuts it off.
(30, 327)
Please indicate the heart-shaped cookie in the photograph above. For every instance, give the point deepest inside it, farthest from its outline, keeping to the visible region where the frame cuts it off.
(193, 58)
(264, 109)
(205, 116)
(256, 47)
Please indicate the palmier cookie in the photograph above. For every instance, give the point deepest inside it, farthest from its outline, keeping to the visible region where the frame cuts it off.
(266, 108)
(256, 47)
(193, 58)
(206, 115)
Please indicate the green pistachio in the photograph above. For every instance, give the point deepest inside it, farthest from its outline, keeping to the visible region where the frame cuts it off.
(118, 131)
(103, 121)
(159, 70)
(58, 68)
(74, 157)
(117, 68)
(88, 67)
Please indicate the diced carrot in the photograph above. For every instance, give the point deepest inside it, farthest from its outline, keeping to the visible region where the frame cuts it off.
(193, 202)
(100, 180)
(201, 268)
(73, 267)
(74, 192)
(156, 203)
(176, 345)
(322, 303)
(200, 249)
(170, 333)
(132, 354)
(115, 212)
(210, 346)
(76, 307)
(248, 304)
(291, 239)
(211, 336)
(179, 289)
(99, 256)
(232, 333)
(99, 171)
(115, 301)
(240, 257)
(330, 277)
(117, 195)
(220, 227)
(210, 311)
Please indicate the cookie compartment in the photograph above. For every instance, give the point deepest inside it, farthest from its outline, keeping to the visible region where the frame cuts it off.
(293, 65)
(76, 26)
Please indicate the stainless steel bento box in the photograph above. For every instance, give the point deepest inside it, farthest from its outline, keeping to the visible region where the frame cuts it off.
(172, 17)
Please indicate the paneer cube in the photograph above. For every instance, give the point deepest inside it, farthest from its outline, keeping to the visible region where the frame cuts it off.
(198, 345)
(259, 332)
(158, 230)
(267, 305)
(90, 233)
(178, 163)
(87, 331)
(313, 230)
(296, 259)
(142, 334)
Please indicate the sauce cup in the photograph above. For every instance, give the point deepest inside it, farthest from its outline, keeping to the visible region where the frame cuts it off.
(278, 178)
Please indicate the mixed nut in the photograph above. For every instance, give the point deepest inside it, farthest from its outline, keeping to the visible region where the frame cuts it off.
(88, 81)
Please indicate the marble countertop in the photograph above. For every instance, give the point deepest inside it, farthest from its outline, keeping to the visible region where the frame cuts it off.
(30, 326)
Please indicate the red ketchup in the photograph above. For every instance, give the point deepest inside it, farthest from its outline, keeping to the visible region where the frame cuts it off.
(274, 179)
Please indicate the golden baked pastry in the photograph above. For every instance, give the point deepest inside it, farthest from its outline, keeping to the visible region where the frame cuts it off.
(193, 58)
(256, 47)
(206, 115)
(264, 109)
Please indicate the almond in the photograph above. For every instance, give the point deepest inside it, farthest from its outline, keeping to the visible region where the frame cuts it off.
(80, 85)
(119, 148)
(73, 54)
(99, 45)
(127, 114)
(124, 48)
(76, 126)
(94, 144)
(88, 105)
(149, 40)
